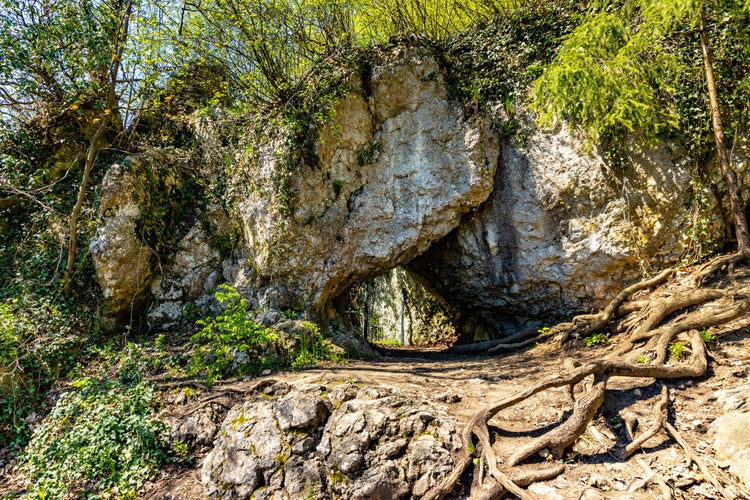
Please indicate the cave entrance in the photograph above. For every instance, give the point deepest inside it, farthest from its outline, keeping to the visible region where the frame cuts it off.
(398, 308)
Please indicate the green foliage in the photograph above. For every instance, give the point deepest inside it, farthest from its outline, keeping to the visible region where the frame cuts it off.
(313, 347)
(497, 60)
(596, 339)
(701, 233)
(676, 350)
(635, 68)
(707, 335)
(224, 336)
(388, 342)
(232, 344)
(54, 54)
(609, 75)
(642, 360)
(38, 344)
(101, 440)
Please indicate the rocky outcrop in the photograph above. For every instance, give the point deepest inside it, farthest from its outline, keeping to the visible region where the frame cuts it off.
(731, 439)
(512, 233)
(124, 264)
(191, 278)
(336, 441)
(562, 231)
(403, 309)
(396, 171)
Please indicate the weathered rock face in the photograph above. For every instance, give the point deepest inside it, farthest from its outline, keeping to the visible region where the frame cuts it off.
(402, 309)
(397, 170)
(731, 439)
(193, 274)
(507, 233)
(330, 442)
(123, 263)
(561, 232)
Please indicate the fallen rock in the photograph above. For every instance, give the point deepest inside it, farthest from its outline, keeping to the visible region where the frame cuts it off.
(378, 444)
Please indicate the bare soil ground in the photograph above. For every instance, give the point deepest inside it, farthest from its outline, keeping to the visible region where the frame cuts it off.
(468, 384)
(593, 467)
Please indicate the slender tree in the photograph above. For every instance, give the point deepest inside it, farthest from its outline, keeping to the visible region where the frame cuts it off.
(730, 177)
(95, 143)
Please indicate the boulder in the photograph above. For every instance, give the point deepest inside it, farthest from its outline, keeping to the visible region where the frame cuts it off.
(363, 443)
(731, 439)
(124, 264)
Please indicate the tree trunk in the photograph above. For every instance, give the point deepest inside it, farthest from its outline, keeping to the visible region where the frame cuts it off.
(730, 177)
(95, 145)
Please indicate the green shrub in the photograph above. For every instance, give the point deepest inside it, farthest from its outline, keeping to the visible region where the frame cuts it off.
(676, 350)
(596, 339)
(37, 345)
(232, 332)
(102, 440)
(314, 348)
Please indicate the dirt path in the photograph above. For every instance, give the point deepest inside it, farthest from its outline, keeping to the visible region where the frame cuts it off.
(594, 469)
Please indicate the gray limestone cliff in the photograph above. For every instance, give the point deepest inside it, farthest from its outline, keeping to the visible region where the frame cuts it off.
(506, 230)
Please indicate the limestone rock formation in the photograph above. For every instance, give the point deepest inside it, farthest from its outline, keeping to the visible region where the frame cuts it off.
(335, 441)
(561, 232)
(192, 275)
(512, 233)
(731, 439)
(397, 170)
(403, 309)
(124, 264)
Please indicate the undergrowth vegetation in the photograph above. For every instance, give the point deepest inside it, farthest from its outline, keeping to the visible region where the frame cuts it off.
(77, 377)
(233, 344)
(103, 439)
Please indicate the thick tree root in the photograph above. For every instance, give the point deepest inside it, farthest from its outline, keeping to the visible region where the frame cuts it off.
(523, 335)
(652, 325)
(589, 324)
(660, 417)
(712, 267)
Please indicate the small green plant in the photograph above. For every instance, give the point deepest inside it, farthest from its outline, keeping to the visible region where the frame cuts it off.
(596, 339)
(642, 360)
(231, 343)
(337, 185)
(707, 335)
(676, 350)
(101, 440)
(313, 347)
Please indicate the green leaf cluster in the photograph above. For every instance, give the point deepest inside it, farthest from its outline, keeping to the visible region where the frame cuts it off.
(611, 73)
(232, 333)
(102, 440)
(232, 344)
(634, 68)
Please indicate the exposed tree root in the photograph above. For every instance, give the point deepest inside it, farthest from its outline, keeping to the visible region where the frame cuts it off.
(652, 325)
(652, 477)
(660, 417)
(696, 460)
(588, 324)
(488, 344)
(712, 267)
